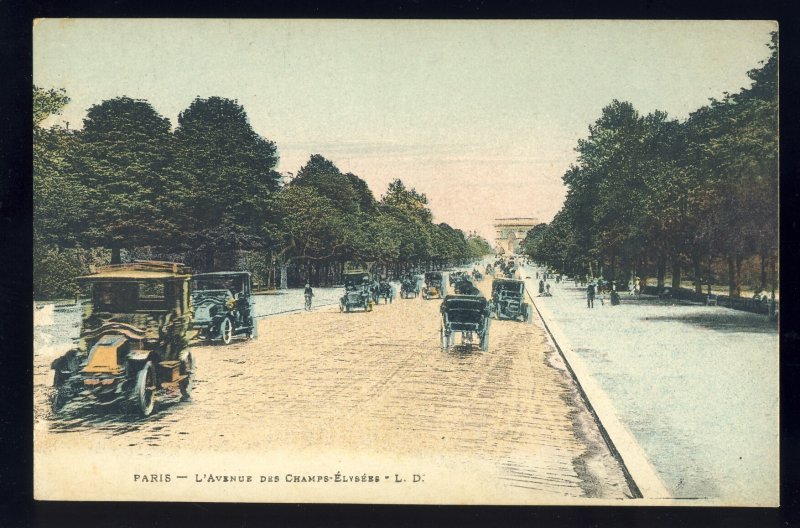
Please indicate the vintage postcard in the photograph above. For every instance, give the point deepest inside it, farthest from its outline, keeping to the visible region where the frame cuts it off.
(406, 262)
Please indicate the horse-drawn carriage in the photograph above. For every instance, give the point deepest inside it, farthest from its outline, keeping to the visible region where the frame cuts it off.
(508, 297)
(133, 338)
(467, 315)
(434, 285)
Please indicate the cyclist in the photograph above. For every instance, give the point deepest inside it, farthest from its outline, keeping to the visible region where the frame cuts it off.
(308, 293)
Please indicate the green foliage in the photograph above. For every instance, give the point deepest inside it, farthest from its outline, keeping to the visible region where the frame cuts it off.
(55, 269)
(647, 189)
(225, 175)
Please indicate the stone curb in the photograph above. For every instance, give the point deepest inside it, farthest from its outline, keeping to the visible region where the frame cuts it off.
(642, 477)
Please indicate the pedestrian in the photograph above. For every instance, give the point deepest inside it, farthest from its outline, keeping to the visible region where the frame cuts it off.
(537, 274)
(547, 287)
(308, 293)
(590, 291)
(541, 286)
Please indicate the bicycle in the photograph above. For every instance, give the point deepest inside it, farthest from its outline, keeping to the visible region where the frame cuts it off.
(308, 302)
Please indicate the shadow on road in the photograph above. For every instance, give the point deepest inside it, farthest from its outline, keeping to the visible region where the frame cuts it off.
(115, 419)
(724, 322)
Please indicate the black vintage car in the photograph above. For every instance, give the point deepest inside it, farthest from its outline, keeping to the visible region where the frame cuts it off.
(467, 315)
(223, 305)
(357, 292)
(508, 300)
(434, 285)
(133, 338)
(464, 286)
(409, 287)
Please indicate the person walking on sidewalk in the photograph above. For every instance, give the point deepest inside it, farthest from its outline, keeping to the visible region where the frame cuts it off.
(590, 291)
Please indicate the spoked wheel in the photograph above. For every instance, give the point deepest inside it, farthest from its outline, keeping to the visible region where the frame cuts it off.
(60, 395)
(485, 341)
(186, 384)
(226, 331)
(144, 393)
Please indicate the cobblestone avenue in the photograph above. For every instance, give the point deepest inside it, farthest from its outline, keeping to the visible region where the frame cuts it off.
(373, 382)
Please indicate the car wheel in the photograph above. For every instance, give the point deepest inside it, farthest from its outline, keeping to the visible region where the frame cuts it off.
(186, 384)
(59, 397)
(144, 393)
(226, 331)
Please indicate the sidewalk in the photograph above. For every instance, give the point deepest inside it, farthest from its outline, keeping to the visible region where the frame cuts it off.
(697, 387)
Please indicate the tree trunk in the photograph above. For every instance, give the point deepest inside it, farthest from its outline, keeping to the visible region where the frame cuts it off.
(116, 256)
(698, 284)
(733, 285)
(763, 278)
(676, 272)
(284, 267)
(661, 272)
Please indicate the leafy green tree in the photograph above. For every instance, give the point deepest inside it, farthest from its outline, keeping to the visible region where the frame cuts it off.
(225, 178)
(123, 158)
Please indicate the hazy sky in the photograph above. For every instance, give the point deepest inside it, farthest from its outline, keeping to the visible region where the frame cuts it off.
(482, 116)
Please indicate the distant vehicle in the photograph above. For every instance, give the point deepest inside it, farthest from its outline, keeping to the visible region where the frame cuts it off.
(133, 338)
(508, 300)
(224, 305)
(409, 287)
(464, 286)
(357, 292)
(456, 276)
(434, 286)
(467, 315)
(386, 291)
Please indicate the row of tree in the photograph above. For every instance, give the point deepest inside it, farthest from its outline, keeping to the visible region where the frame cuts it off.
(650, 193)
(208, 193)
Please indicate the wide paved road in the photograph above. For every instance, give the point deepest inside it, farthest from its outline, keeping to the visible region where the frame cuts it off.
(373, 383)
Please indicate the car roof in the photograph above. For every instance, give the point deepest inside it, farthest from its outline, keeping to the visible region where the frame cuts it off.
(139, 271)
(212, 274)
(502, 281)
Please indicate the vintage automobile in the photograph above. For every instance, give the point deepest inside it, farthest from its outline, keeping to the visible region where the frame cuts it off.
(224, 305)
(409, 287)
(456, 276)
(386, 291)
(357, 292)
(467, 315)
(508, 297)
(434, 286)
(133, 338)
(464, 286)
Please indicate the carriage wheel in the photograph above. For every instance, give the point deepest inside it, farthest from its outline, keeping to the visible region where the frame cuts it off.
(485, 341)
(445, 337)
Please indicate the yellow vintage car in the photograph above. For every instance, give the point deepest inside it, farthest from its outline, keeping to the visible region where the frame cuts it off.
(133, 338)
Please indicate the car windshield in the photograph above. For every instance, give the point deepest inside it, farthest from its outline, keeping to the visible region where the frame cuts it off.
(510, 287)
(232, 284)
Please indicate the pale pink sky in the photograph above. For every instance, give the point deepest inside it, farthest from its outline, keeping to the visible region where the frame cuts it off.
(482, 116)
